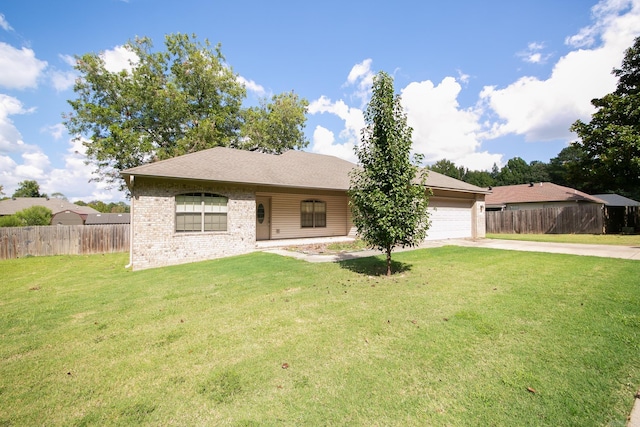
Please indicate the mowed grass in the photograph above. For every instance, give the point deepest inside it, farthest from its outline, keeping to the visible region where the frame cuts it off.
(591, 239)
(458, 337)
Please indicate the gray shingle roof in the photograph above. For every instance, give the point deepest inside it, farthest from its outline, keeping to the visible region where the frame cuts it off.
(616, 200)
(11, 206)
(291, 169)
(295, 169)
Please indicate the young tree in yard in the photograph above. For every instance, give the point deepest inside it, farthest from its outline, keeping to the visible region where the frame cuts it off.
(611, 140)
(388, 196)
(167, 103)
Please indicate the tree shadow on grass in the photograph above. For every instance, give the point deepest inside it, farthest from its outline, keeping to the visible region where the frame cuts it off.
(374, 266)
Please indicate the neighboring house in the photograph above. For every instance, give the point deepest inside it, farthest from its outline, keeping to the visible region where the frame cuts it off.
(622, 215)
(219, 202)
(16, 204)
(543, 207)
(107, 218)
(68, 218)
(536, 196)
(617, 200)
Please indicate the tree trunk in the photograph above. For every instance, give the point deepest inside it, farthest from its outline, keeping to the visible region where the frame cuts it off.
(388, 260)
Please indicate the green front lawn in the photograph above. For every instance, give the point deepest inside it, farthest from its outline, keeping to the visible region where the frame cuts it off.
(459, 336)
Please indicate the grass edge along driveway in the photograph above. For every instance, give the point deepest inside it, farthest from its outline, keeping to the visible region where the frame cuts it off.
(459, 336)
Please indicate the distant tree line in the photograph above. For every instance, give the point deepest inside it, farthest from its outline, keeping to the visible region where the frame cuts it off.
(570, 168)
(564, 169)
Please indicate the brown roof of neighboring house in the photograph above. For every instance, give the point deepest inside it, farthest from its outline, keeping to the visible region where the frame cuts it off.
(13, 205)
(537, 193)
(108, 218)
(296, 169)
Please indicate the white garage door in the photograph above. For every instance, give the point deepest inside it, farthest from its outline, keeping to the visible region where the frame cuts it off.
(450, 219)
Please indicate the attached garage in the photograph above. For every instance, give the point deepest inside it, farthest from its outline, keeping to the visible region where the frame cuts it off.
(450, 219)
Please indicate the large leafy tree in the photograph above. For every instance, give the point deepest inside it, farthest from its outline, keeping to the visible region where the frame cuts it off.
(389, 207)
(28, 188)
(479, 178)
(179, 100)
(516, 171)
(275, 126)
(611, 140)
(567, 169)
(448, 168)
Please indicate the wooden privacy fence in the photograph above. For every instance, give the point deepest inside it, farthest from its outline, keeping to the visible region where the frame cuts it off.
(17, 242)
(581, 219)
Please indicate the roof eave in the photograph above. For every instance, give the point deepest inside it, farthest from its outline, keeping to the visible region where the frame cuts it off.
(458, 190)
(250, 184)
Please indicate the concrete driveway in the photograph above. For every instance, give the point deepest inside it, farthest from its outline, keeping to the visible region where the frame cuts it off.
(606, 251)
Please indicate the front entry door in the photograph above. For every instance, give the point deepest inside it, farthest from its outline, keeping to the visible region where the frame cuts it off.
(263, 218)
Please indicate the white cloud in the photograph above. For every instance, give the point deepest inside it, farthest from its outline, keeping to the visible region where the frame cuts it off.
(361, 76)
(72, 180)
(543, 110)
(34, 166)
(68, 59)
(4, 24)
(8, 179)
(56, 131)
(63, 80)
(604, 15)
(533, 54)
(10, 138)
(19, 68)
(118, 59)
(480, 161)
(252, 86)
(441, 129)
(324, 143)
(462, 77)
(353, 117)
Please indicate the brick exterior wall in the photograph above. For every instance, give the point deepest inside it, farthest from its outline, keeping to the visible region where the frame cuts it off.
(155, 242)
(479, 216)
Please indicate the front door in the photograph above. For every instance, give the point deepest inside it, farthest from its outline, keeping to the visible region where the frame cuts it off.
(263, 218)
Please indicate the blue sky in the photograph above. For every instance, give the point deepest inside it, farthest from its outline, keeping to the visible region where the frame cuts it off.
(481, 82)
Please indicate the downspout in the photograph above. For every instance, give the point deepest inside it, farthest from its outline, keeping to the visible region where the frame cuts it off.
(131, 210)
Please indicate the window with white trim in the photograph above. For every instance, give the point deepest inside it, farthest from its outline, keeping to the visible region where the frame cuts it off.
(201, 212)
(313, 213)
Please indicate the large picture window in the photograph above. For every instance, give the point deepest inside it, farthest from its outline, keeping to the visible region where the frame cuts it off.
(200, 212)
(313, 213)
